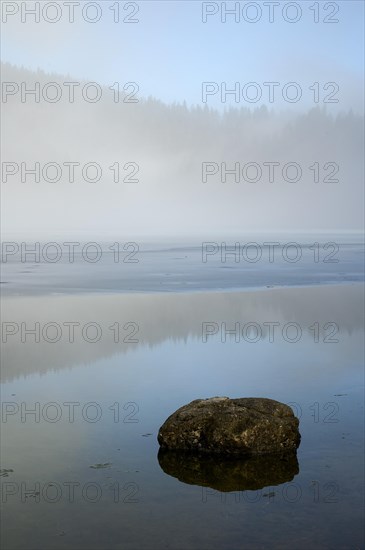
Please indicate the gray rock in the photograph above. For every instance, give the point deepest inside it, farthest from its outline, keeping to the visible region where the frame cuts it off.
(232, 426)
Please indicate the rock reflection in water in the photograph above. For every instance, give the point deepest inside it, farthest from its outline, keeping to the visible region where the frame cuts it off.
(229, 473)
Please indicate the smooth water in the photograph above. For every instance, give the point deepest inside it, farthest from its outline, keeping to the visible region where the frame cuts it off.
(106, 371)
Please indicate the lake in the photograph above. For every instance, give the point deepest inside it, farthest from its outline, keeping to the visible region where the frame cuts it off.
(89, 376)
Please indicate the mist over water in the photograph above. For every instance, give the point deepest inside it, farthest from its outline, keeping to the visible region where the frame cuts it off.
(181, 171)
(182, 217)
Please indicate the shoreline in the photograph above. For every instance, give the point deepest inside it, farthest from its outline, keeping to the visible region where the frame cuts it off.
(229, 290)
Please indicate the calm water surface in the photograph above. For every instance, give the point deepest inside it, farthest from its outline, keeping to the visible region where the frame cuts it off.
(92, 479)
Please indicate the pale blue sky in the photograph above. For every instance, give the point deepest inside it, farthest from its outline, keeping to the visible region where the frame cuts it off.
(170, 52)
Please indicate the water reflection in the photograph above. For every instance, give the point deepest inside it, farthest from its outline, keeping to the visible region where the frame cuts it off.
(166, 368)
(150, 319)
(248, 473)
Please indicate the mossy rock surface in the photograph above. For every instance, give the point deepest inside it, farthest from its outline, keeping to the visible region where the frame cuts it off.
(250, 425)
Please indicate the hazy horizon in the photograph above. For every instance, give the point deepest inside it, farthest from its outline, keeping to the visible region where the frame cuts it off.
(249, 170)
